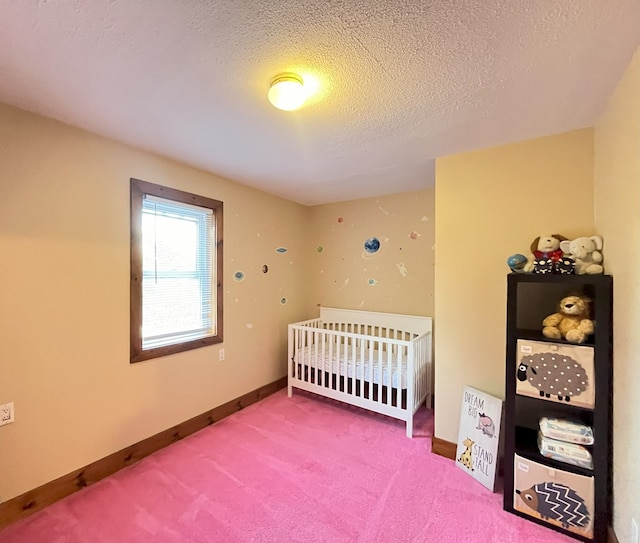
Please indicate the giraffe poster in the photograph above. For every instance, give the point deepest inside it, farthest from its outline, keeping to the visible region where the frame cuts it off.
(479, 436)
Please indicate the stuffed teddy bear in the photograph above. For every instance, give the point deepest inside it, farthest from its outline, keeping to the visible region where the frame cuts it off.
(545, 253)
(572, 321)
(587, 254)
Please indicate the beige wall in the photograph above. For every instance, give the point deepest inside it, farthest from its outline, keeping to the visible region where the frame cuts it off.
(491, 204)
(64, 313)
(398, 278)
(617, 214)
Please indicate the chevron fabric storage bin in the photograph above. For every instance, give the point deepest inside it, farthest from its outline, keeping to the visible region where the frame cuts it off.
(558, 497)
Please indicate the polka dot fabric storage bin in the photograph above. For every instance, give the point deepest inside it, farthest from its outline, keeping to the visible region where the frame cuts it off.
(556, 372)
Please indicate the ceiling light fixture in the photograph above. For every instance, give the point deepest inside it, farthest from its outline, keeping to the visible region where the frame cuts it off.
(287, 91)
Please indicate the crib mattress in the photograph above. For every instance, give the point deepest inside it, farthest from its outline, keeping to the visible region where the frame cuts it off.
(363, 366)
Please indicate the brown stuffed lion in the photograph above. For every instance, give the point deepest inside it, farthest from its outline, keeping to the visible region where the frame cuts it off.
(572, 321)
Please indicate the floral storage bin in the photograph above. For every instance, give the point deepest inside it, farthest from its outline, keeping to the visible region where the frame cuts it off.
(555, 372)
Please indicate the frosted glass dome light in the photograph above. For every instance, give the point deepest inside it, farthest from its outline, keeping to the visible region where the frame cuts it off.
(287, 91)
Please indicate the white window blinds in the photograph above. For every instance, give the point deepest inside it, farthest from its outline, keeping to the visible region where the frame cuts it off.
(177, 279)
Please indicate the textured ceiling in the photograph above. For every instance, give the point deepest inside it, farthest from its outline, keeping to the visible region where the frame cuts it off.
(397, 83)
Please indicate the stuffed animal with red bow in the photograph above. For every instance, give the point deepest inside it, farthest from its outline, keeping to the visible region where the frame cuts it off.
(545, 254)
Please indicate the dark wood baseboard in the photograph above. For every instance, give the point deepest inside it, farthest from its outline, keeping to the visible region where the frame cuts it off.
(443, 448)
(38, 498)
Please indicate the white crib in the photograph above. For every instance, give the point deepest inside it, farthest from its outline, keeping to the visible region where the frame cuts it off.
(377, 361)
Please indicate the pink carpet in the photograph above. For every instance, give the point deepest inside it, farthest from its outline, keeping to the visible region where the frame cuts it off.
(287, 470)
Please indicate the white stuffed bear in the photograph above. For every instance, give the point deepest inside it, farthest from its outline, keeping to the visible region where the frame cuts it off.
(586, 251)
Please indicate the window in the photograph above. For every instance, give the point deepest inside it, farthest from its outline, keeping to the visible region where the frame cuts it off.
(176, 271)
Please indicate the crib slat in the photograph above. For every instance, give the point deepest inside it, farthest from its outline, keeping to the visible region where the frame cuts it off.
(322, 359)
(388, 364)
(313, 339)
(341, 365)
(351, 374)
(379, 364)
(370, 368)
(360, 379)
(296, 365)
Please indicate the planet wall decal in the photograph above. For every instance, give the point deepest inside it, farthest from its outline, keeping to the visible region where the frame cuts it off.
(372, 245)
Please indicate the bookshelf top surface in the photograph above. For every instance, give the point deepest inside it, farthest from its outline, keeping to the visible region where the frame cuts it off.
(599, 279)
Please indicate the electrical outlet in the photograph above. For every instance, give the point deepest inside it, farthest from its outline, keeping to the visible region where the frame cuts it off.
(221, 355)
(634, 531)
(7, 415)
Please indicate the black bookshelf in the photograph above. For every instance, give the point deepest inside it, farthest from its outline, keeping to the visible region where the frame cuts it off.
(531, 298)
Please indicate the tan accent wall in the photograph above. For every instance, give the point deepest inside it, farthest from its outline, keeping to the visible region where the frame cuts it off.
(396, 278)
(617, 216)
(491, 204)
(64, 311)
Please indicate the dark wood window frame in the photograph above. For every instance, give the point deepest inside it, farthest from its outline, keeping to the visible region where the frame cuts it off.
(138, 191)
